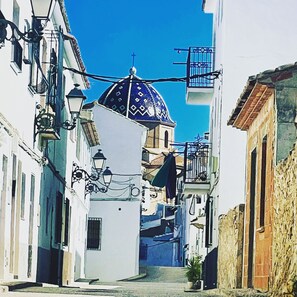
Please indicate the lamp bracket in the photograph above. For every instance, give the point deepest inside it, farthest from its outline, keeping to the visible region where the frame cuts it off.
(79, 174)
(30, 36)
(92, 187)
(45, 121)
(67, 125)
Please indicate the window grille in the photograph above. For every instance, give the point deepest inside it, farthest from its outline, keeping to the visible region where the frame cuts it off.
(94, 234)
(17, 54)
(23, 195)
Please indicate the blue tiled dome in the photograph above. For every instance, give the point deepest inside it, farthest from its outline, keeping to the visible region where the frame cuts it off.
(144, 102)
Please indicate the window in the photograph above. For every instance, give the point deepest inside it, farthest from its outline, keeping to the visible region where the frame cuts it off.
(4, 185)
(66, 222)
(16, 13)
(13, 209)
(145, 155)
(23, 195)
(47, 215)
(17, 54)
(17, 50)
(27, 53)
(31, 226)
(94, 234)
(59, 205)
(31, 215)
(263, 181)
(166, 139)
(38, 58)
(52, 93)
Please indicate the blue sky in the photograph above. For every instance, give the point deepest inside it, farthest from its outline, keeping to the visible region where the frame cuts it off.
(108, 32)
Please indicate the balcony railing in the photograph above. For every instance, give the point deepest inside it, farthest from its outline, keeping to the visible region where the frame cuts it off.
(200, 81)
(196, 167)
(200, 61)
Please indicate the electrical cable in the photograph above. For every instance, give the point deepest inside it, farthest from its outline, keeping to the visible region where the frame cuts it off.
(118, 195)
(209, 76)
(122, 182)
(127, 174)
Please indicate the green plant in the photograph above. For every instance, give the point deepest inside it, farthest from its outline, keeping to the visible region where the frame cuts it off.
(194, 269)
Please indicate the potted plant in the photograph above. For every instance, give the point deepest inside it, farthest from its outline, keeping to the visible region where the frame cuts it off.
(193, 272)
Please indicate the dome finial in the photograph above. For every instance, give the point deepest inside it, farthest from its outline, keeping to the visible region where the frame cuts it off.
(133, 69)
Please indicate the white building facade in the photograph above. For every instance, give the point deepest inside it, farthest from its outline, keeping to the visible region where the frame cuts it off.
(114, 216)
(244, 43)
(40, 214)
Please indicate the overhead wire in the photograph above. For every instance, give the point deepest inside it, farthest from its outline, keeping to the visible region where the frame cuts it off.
(113, 79)
(113, 189)
(122, 182)
(117, 195)
(127, 174)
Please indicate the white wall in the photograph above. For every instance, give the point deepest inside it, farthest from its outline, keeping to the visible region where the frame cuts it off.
(121, 141)
(119, 254)
(17, 111)
(250, 37)
(196, 237)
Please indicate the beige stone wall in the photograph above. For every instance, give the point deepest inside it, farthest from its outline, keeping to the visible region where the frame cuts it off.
(284, 255)
(67, 265)
(231, 230)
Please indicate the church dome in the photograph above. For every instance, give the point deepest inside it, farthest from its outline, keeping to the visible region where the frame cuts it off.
(136, 99)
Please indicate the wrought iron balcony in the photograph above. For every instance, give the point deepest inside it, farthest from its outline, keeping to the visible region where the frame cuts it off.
(196, 168)
(200, 62)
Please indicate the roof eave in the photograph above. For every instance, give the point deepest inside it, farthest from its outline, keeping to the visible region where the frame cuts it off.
(250, 104)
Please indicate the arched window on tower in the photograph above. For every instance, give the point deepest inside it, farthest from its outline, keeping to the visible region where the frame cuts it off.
(166, 139)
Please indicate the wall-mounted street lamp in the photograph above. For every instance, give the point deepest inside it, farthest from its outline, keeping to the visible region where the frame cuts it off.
(102, 187)
(46, 123)
(93, 179)
(41, 10)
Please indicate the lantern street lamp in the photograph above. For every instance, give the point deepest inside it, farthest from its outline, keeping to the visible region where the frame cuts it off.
(99, 187)
(41, 10)
(93, 183)
(45, 121)
(75, 100)
(99, 160)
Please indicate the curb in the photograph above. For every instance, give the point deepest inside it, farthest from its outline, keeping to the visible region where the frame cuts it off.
(7, 287)
(136, 277)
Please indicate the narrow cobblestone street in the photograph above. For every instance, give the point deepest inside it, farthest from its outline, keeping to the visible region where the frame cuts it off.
(158, 281)
(126, 289)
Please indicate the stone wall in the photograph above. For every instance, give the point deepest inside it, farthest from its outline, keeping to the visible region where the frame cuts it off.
(284, 255)
(231, 230)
